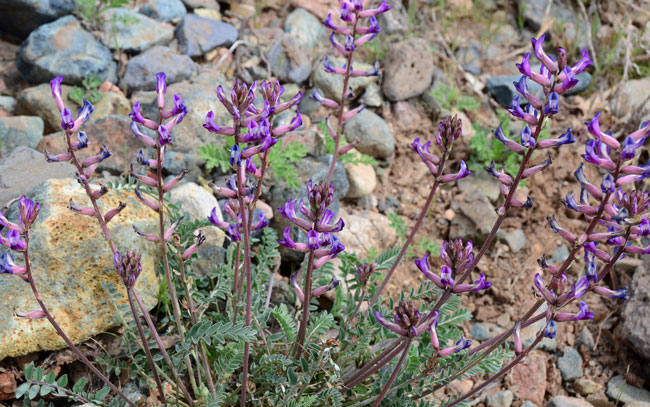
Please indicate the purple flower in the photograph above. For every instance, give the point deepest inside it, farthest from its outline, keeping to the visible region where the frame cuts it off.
(214, 219)
(135, 114)
(500, 135)
(55, 84)
(541, 55)
(84, 112)
(382, 8)
(527, 139)
(460, 345)
(164, 137)
(566, 138)
(551, 330)
(629, 149)
(553, 105)
(233, 233)
(67, 122)
(608, 185)
(15, 243)
(584, 312)
(312, 240)
(82, 140)
(345, 12)
(235, 156)
(620, 294)
(28, 210)
(209, 124)
(349, 43)
(161, 89)
(286, 240)
(390, 325)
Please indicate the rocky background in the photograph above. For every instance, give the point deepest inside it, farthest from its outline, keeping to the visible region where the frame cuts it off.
(467, 46)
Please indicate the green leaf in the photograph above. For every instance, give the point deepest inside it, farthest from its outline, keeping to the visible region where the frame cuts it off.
(45, 390)
(77, 95)
(63, 381)
(79, 385)
(286, 321)
(38, 374)
(101, 394)
(29, 370)
(22, 389)
(293, 377)
(33, 392)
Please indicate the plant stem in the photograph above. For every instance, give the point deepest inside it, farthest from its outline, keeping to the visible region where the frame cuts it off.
(300, 339)
(59, 331)
(418, 223)
(377, 363)
(363, 295)
(161, 346)
(393, 376)
(145, 346)
(339, 125)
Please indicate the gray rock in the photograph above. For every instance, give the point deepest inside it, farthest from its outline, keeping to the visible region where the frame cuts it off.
(23, 169)
(133, 32)
(141, 70)
(480, 331)
(564, 401)
(308, 105)
(586, 387)
(331, 85)
(470, 58)
(480, 213)
(528, 403)
(211, 4)
(211, 252)
(198, 35)
(305, 28)
(619, 390)
(371, 133)
(367, 202)
(408, 69)
(395, 21)
(20, 17)
(289, 59)
(75, 269)
(570, 364)
(163, 10)
(559, 254)
(19, 131)
(38, 101)
(372, 97)
(63, 47)
(482, 182)
(500, 399)
(7, 103)
(632, 94)
(193, 199)
(515, 239)
(637, 404)
(573, 29)
(503, 90)
(586, 338)
(636, 314)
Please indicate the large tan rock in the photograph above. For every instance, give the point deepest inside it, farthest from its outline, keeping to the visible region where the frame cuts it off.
(72, 266)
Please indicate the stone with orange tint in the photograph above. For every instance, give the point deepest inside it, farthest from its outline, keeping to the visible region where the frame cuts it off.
(72, 266)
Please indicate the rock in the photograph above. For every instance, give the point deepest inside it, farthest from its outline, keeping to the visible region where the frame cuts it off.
(483, 182)
(559, 254)
(632, 94)
(63, 47)
(572, 30)
(19, 131)
(408, 69)
(365, 230)
(290, 61)
(212, 4)
(619, 390)
(586, 338)
(637, 404)
(38, 101)
(515, 239)
(528, 403)
(113, 131)
(133, 32)
(395, 21)
(141, 70)
(112, 103)
(480, 331)
(308, 105)
(372, 97)
(211, 251)
(7, 103)
(570, 364)
(198, 35)
(23, 169)
(163, 10)
(470, 58)
(305, 28)
(20, 17)
(331, 84)
(586, 386)
(564, 401)
(528, 381)
(362, 178)
(368, 202)
(371, 133)
(500, 399)
(503, 90)
(193, 199)
(73, 266)
(7, 386)
(208, 13)
(481, 215)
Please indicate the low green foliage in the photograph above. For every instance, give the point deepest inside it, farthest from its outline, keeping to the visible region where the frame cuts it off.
(89, 10)
(89, 91)
(486, 149)
(347, 158)
(450, 98)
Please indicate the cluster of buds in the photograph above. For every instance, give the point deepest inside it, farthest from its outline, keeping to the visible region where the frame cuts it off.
(449, 129)
(354, 34)
(316, 223)
(174, 116)
(555, 78)
(86, 167)
(16, 241)
(624, 214)
(364, 272)
(128, 267)
(458, 258)
(256, 142)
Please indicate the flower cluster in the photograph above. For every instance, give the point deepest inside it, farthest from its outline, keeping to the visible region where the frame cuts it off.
(17, 241)
(128, 267)
(261, 136)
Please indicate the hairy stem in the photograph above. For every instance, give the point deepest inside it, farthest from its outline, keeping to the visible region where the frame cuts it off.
(370, 368)
(393, 376)
(300, 339)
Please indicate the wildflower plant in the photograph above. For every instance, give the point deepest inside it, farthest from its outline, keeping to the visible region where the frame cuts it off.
(359, 348)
